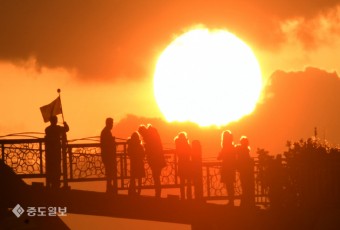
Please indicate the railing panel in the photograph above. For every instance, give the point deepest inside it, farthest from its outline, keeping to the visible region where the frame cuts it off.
(84, 163)
(25, 157)
(213, 188)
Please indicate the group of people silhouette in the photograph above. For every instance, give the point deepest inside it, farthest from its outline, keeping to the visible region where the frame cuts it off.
(237, 158)
(152, 149)
(189, 166)
(145, 142)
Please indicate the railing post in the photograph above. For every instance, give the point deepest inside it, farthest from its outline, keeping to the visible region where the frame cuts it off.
(252, 181)
(64, 162)
(208, 181)
(70, 155)
(41, 156)
(124, 166)
(3, 151)
(121, 170)
(176, 169)
(197, 168)
(115, 172)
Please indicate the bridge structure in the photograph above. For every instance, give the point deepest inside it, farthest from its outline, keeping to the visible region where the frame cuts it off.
(82, 163)
(25, 158)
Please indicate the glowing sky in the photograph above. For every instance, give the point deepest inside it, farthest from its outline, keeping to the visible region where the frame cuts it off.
(102, 54)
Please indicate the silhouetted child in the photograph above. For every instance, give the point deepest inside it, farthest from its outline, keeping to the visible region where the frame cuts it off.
(154, 154)
(183, 152)
(136, 153)
(228, 157)
(55, 140)
(196, 165)
(246, 170)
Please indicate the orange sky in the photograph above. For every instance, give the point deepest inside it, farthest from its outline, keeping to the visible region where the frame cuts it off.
(102, 55)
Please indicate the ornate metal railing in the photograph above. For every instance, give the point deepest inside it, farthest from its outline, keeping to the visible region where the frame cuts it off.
(83, 163)
(25, 156)
(212, 186)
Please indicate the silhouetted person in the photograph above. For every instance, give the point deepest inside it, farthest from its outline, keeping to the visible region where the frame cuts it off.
(108, 153)
(196, 164)
(183, 152)
(228, 157)
(136, 153)
(154, 154)
(246, 170)
(55, 141)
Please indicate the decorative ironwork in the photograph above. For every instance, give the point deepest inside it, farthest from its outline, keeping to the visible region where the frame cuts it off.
(84, 163)
(212, 185)
(168, 174)
(25, 158)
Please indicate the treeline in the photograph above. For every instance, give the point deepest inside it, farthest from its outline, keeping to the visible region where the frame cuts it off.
(306, 175)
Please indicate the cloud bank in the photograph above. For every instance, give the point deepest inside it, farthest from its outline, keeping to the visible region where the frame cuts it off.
(297, 103)
(122, 39)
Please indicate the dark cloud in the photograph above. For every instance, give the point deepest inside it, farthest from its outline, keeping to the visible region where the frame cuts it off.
(113, 39)
(298, 102)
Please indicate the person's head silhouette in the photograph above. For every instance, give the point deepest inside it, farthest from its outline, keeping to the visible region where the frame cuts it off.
(135, 137)
(109, 122)
(54, 120)
(183, 135)
(142, 130)
(227, 138)
(244, 141)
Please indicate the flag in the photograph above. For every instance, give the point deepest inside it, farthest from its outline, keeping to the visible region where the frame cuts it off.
(52, 109)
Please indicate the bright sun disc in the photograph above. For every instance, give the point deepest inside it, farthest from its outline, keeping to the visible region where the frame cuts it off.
(207, 77)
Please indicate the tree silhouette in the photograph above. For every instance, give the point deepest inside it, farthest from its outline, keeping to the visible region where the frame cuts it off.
(306, 175)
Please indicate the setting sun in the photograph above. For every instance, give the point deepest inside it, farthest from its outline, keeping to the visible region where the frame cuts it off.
(207, 77)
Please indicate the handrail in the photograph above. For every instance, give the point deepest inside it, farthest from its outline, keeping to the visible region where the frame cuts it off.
(83, 163)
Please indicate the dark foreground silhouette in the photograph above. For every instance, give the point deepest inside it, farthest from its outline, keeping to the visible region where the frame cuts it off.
(15, 191)
(199, 215)
(302, 186)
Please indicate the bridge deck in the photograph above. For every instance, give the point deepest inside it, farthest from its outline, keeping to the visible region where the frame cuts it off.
(199, 215)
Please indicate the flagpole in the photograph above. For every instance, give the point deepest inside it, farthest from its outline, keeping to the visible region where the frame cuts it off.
(61, 105)
(64, 153)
